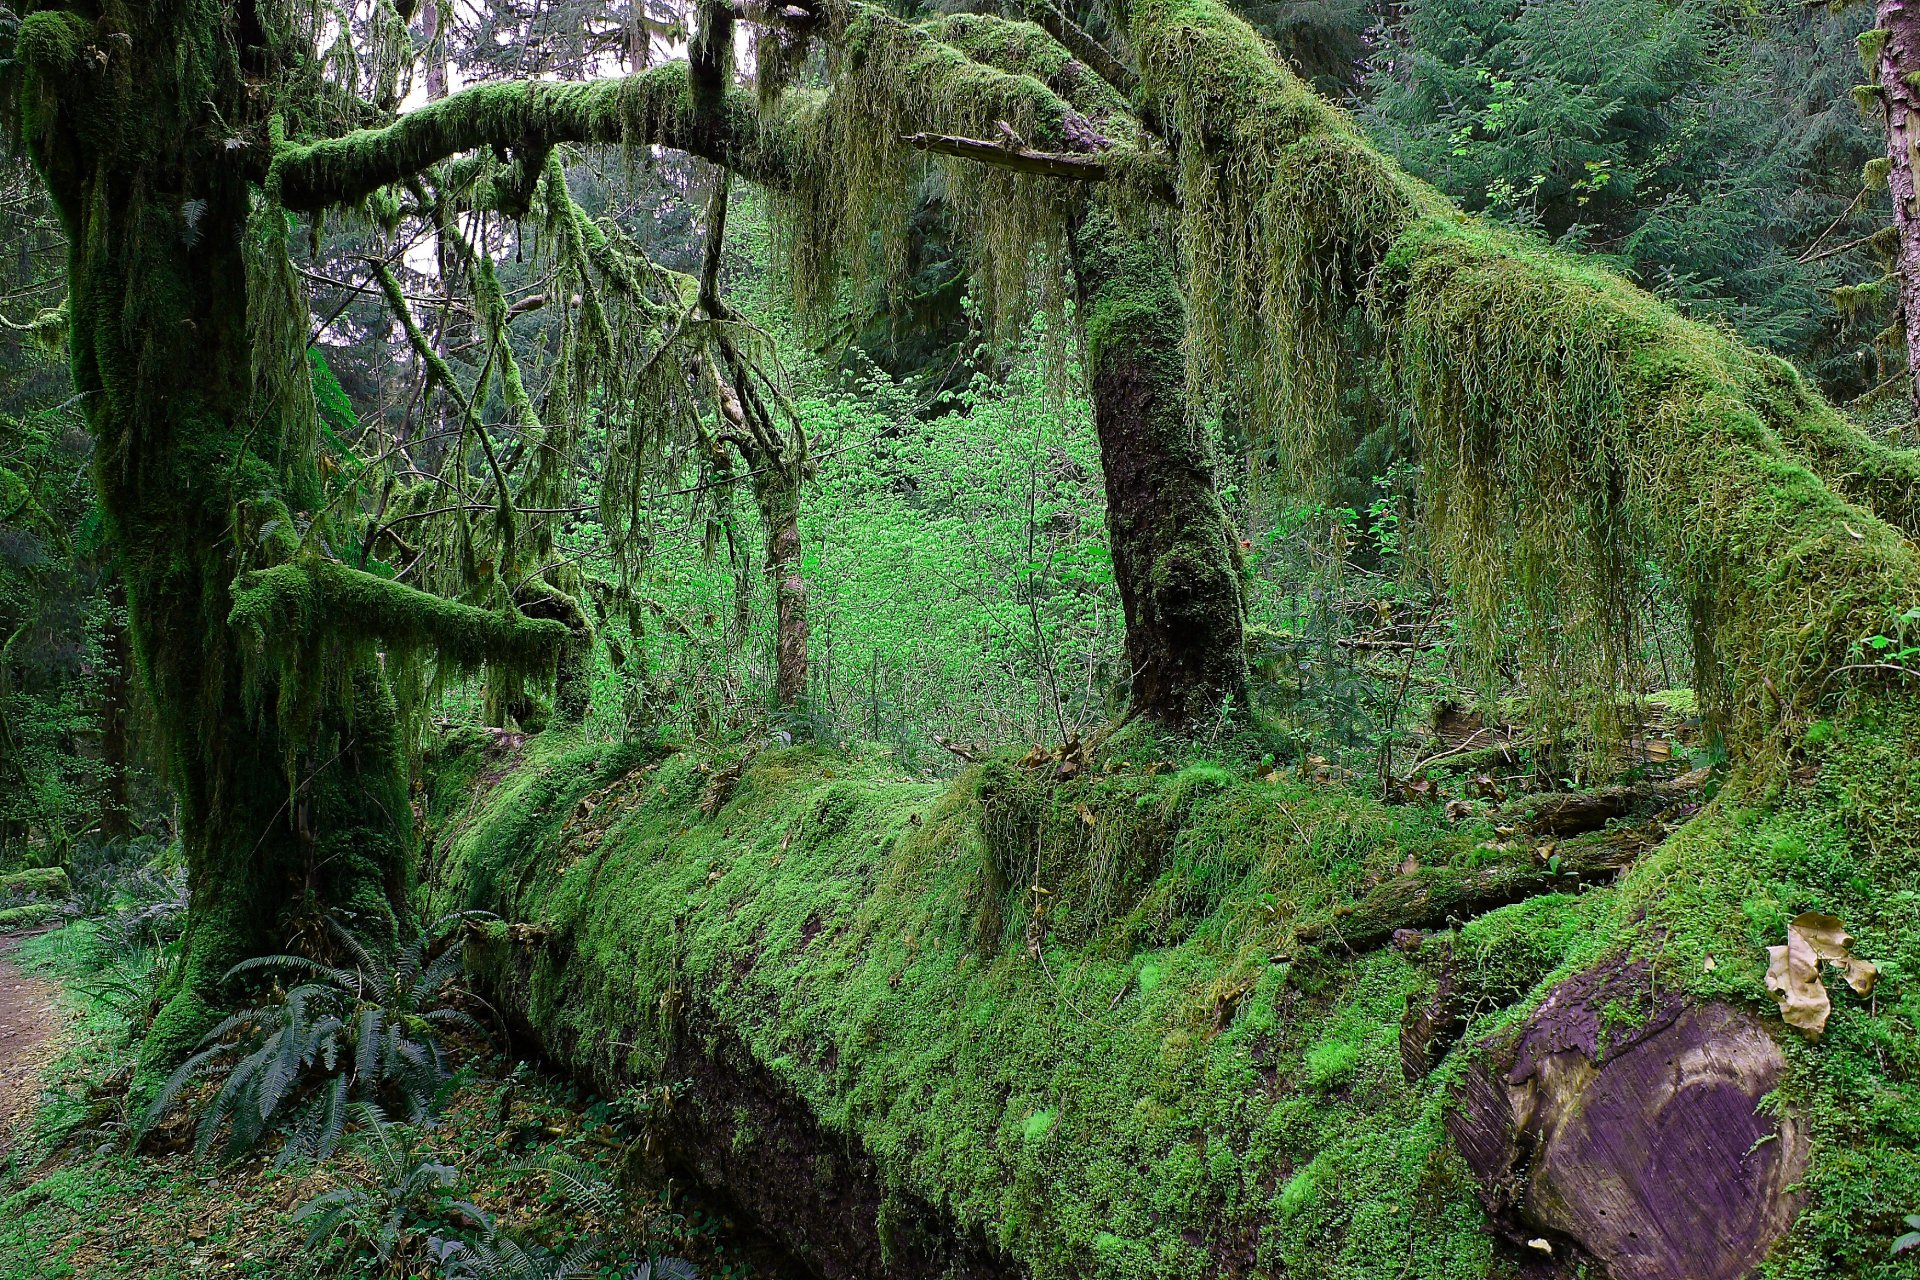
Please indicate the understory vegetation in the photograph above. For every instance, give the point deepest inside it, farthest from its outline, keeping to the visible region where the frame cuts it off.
(1176, 639)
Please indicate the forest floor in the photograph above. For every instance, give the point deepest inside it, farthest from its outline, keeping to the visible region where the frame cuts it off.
(75, 1204)
(30, 1022)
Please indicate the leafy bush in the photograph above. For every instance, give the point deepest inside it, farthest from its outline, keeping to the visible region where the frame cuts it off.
(336, 1037)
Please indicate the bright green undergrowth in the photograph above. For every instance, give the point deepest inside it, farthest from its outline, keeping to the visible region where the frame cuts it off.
(1143, 1075)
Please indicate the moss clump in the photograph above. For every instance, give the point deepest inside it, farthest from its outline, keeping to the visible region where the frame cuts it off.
(47, 882)
(1069, 1015)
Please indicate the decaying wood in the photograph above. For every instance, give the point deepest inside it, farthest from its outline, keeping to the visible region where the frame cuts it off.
(1642, 1145)
(1430, 898)
(1573, 812)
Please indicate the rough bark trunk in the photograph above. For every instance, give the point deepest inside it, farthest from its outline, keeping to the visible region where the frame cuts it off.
(1900, 58)
(1176, 559)
(192, 464)
(777, 494)
(116, 808)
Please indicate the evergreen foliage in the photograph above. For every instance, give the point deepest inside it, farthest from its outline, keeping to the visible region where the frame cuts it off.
(1705, 151)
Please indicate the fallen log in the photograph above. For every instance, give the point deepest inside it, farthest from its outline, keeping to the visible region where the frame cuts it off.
(1144, 1085)
(1571, 813)
(1433, 898)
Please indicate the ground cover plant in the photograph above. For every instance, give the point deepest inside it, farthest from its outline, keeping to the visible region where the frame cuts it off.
(517, 1155)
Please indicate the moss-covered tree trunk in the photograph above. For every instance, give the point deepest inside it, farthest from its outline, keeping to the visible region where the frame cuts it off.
(777, 494)
(116, 754)
(1897, 31)
(136, 129)
(1175, 557)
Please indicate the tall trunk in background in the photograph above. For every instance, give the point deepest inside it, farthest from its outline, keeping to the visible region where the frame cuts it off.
(1176, 558)
(776, 491)
(1898, 57)
(116, 687)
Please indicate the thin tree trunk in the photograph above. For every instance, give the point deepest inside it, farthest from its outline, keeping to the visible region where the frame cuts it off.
(116, 809)
(1175, 557)
(778, 496)
(1899, 58)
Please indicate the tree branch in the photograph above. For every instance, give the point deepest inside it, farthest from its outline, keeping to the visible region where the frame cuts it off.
(312, 598)
(1048, 164)
(1084, 47)
(655, 107)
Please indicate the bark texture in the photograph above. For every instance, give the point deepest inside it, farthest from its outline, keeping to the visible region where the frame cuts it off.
(1176, 560)
(776, 492)
(278, 733)
(1899, 58)
(1642, 1144)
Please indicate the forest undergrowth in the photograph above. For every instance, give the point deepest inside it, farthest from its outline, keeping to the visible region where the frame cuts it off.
(552, 1181)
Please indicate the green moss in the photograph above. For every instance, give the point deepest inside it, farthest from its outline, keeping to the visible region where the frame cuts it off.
(1154, 1084)
(1871, 43)
(1572, 429)
(48, 882)
(1172, 1073)
(51, 40)
(27, 915)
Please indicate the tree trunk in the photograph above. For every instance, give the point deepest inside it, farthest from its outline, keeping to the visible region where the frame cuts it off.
(199, 475)
(1899, 58)
(116, 809)
(1175, 557)
(777, 494)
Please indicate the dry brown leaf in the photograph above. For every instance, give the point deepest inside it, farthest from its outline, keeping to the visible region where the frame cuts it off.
(1831, 942)
(1793, 976)
(1793, 971)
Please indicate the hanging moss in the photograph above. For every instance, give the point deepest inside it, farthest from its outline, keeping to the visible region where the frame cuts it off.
(1572, 429)
(892, 79)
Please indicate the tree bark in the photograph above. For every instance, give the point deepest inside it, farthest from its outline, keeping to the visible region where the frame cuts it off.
(116, 756)
(777, 494)
(1900, 101)
(193, 466)
(1176, 559)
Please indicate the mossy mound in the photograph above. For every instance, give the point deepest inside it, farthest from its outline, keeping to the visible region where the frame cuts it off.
(1079, 1023)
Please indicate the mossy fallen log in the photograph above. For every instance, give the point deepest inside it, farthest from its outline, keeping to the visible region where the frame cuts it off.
(43, 882)
(29, 915)
(1015, 1026)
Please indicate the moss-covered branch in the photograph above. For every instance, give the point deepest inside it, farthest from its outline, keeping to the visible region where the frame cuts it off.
(1572, 428)
(1005, 154)
(305, 600)
(656, 107)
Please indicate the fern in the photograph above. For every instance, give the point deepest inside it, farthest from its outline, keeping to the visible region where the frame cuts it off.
(340, 1038)
(394, 1212)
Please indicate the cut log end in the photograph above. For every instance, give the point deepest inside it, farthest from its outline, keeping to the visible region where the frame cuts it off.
(1652, 1153)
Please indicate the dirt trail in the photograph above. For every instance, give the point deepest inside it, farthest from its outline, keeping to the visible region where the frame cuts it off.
(29, 1018)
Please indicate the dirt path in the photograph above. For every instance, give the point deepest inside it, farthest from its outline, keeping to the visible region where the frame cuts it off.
(29, 1017)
